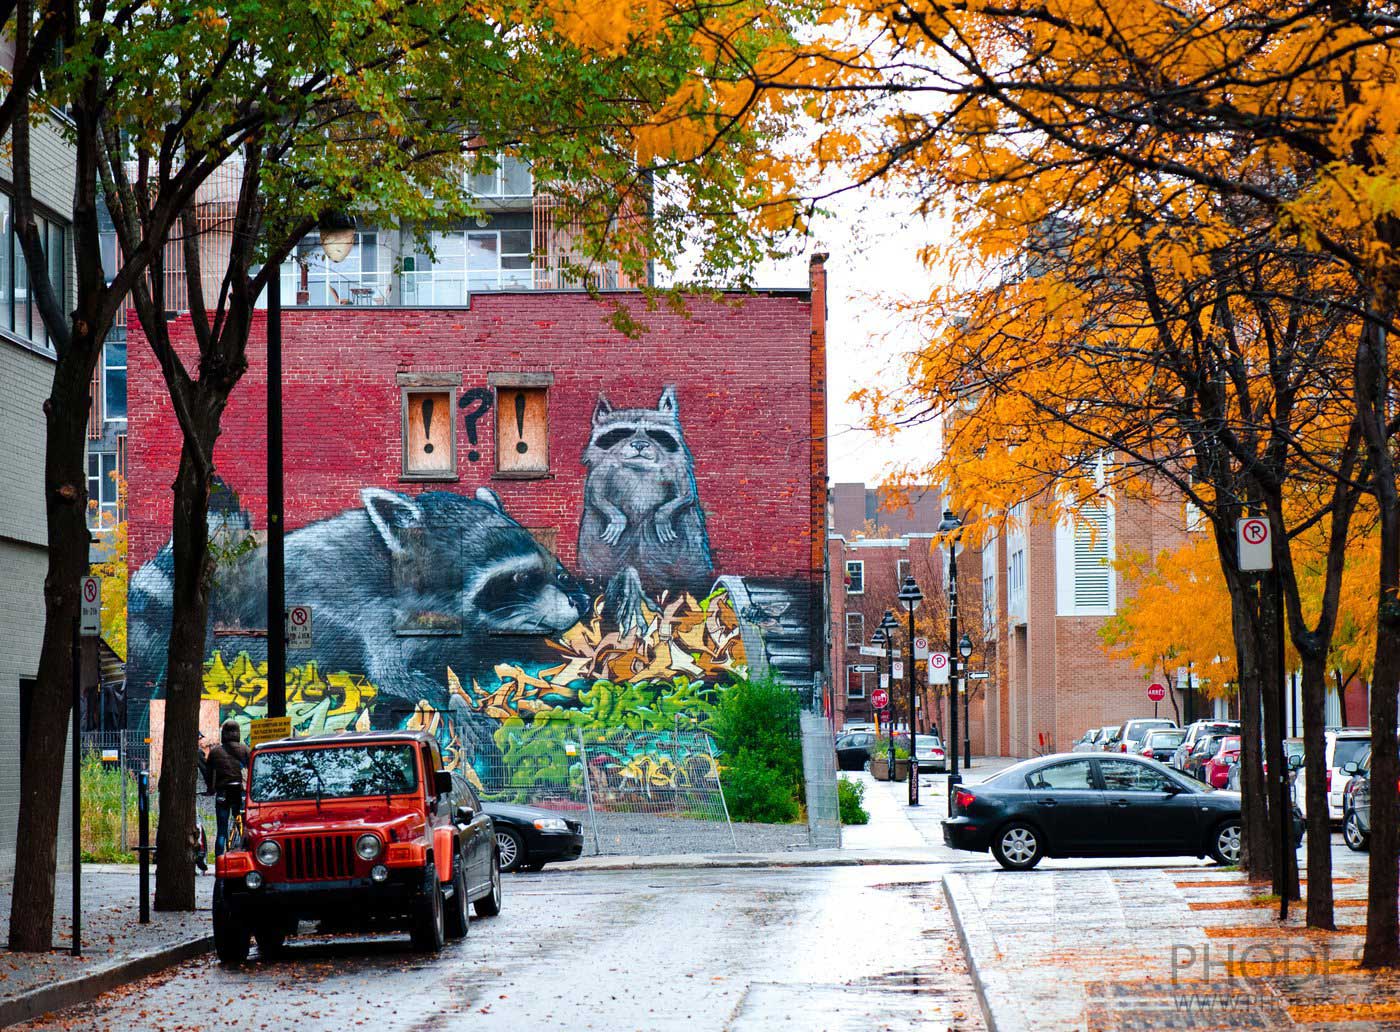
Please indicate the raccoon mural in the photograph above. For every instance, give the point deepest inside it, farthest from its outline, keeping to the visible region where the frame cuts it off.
(643, 530)
(401, 589)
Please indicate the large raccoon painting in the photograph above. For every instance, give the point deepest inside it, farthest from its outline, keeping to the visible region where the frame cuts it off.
(401, 589)
(643, 529)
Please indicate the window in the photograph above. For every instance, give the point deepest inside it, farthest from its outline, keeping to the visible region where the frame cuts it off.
(429, 425)
(114, 380)
(313, 279)
(103, 513)
(855, 577)
(522, 423)
(1072, 775)
(19, 307)
(510, 177)
(901, 570)
(1127, 776)
(457, 262)
(1093, 550)
(855, 683)
(855, 630)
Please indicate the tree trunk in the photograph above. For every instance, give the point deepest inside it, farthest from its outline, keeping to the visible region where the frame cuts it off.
(184, 687)
(46, 737)
(1282, 873)
(1320, 912)
(1254, 858)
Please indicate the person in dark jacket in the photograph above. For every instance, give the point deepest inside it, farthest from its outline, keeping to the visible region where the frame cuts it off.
(224, 777)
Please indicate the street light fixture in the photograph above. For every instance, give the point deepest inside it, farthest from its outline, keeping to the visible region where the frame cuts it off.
(950, 525)
(885, 630)
(911, 596)
(965, 650)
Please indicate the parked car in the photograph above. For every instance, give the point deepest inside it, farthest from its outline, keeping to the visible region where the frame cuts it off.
(355, 831)
(863, 728)
(1343, 746)
(928, 751)
(1216, 770)
(1160, 744)
(1292, 750)
(1108, 742)
(1207, 745)
(1086, 741)
(1356, 805)
(1194, 730)
(1076, 805)
(853, 750)
(528, 837)
(1134, 731)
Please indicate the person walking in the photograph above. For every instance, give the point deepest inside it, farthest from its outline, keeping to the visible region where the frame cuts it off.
(224, 777)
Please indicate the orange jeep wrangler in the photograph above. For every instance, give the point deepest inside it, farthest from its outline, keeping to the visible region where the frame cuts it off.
(360, 832)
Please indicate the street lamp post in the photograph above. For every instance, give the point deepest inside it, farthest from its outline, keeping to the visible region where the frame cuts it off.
(886, 628)
(965, 651)
(911, 596)
(949, 525)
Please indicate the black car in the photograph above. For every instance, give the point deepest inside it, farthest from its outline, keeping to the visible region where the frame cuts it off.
(528, 837)
(1356, 805)
(1074, 804)
(853, 750)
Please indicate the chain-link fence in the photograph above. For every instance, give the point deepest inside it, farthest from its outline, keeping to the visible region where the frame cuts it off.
(112, 761)
(635, 792)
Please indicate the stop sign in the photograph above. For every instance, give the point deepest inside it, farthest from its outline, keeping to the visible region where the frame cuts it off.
(1156, 692)
(880, 698)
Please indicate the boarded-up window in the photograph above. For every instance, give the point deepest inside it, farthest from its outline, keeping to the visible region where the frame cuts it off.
(522, 430)
(546, 537)
(429, 433)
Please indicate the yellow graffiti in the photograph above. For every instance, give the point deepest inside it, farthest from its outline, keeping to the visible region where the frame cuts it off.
(316, 702)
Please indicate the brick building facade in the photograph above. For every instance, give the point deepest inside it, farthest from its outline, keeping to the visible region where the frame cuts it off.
(494, 508)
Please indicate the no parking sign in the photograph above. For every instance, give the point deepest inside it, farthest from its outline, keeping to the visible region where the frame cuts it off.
(938, 668)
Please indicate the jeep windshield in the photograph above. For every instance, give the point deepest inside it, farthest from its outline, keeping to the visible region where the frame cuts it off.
(333, 772)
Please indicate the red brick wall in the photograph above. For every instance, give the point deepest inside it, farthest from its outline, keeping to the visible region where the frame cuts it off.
(742, 369)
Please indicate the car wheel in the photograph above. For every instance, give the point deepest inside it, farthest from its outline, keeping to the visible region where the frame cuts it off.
(458, 920)
(231, 937)
(429, 922)
(1225, 842)
(1017, 847)
(511, 848)
(490, 905)
(1356, 839)
(270, 941)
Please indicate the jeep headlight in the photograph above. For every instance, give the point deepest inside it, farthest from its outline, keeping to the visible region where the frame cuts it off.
(551, 824)
(269, 852)
(367, 847)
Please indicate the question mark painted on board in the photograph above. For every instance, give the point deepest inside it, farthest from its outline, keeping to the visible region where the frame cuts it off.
(427, 425)
(475, 403)
(520, 446)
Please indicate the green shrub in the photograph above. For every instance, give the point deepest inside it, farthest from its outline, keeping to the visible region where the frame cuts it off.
(758, 726)
(754, 791)
(881, 749)
(102, 812)
(850, 796)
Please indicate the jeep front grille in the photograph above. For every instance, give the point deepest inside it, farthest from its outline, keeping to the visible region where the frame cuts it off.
(320, 857)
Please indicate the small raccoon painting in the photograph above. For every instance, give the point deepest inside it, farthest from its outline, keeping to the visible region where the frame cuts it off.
(642, 527)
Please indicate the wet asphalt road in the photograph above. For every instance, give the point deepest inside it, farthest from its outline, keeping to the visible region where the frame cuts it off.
(858, 948)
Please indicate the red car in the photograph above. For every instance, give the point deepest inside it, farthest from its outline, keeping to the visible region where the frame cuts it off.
(1217, 768)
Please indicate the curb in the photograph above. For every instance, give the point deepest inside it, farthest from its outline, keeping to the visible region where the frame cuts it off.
(751, 864)
(84, 988)
(999, 1016)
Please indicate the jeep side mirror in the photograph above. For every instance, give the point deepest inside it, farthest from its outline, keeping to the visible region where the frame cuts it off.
(443, 783)
(1351, 768)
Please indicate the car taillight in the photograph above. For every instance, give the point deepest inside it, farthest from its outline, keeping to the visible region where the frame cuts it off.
(1123, 747)
(1148, 753)
(962, 799)
(938, 752)
(1329, 779)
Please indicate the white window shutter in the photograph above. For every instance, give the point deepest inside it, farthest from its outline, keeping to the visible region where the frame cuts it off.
(1093, 550)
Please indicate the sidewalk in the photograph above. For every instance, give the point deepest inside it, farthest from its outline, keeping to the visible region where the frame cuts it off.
(896, 824)
(116, 948)
(1151, 944)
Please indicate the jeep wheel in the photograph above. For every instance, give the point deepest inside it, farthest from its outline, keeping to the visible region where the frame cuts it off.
(458, 921)
(490, 904)
(270, 940)
(231, 937)
(429, 921)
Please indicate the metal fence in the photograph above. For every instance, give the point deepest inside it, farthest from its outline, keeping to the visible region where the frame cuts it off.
(635, 792)
(111, 762)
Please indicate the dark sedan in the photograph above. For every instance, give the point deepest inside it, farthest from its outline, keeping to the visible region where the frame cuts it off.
(1088, 805)
(529, 837)
(853, 749)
